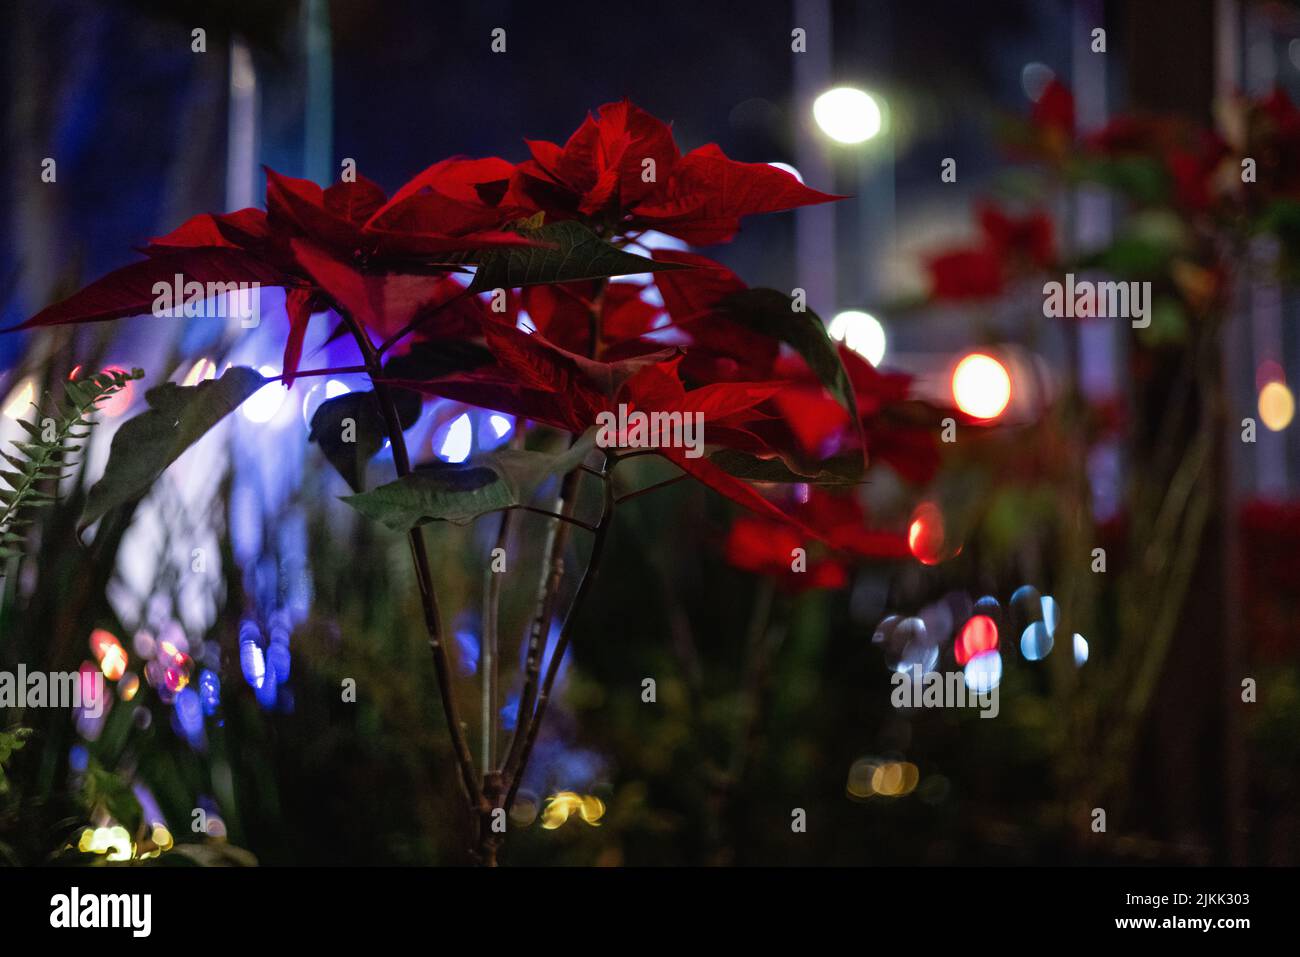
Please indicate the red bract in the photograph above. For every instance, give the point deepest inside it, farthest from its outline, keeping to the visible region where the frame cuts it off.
(1273, 139)
(564, 314)
(622, 168)
(835, 517)
(768, 548)
(1189, 157)
(898, 431)
(596, 345)
(958, 274)
(1027, 237)
(842, 522)
(1009, 245)
(1053, 111)
(347, 245)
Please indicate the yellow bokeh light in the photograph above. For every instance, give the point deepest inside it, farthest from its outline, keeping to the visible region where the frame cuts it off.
(563, 804)
(592, 810)
(161, 837)
(1276, 406)
(202, 370)
(981, 386)
(868, 777)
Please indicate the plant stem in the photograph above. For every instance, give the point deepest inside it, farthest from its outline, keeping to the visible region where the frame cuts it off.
(424, 576)
(552, 573)
(559, 517)
(514, 776)
(340, 370)
(650, 488)
(491, 610)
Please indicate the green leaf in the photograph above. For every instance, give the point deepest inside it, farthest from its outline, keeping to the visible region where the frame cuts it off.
(367, 431)
(1282, 219)
(1138, 177)
(46, 459)
(770, 312)
(104, 789)
(572, 252)
(1168, 323)
(177, 418)
(461, 493)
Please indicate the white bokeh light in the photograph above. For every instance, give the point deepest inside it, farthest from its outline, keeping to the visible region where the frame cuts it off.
(848, 115)
(861, 332)
(262, 406)
(460, 436)
(789, 169)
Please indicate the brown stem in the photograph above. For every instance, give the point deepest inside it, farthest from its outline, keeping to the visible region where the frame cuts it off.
(489, 664)
(576, 523)
(340, 370)
(650, 488)
(423, 576)
(553, 557)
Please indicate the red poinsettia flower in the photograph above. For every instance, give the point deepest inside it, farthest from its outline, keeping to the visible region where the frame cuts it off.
(1028, 237)
(1270, 577)
(776, 550)
(770, 548)
(623, 168)
(1008, 245)
(348, 245)
(1273, 139)
(1053, 111)
(1189, 156)
(897, 430)
(959, 274)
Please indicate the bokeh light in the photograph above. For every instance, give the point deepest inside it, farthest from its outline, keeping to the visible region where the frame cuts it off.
(1080, 650)
(1036, 642)
(789, 169)
(120, 401)
(925, 534)
(263, 405)
(981, 386)
(565, 804)
(458, 440)
(20, 399)
(1276, 406)
(848, 115)
(861, 332)
(978, 635)
(984, 672)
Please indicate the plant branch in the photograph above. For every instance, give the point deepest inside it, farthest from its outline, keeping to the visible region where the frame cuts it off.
(650, 488)
(515, 774)
(552, 574)
(339, 370)
(569, 519)
(491, 611)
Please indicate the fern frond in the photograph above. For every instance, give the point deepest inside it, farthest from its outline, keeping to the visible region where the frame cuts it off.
(46, 455)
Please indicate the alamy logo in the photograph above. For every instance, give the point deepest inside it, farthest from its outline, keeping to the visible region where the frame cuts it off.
(1085, 299)
(651, 430)
(935, 689)
(133, 911)
(179, 299)
(55, 689)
